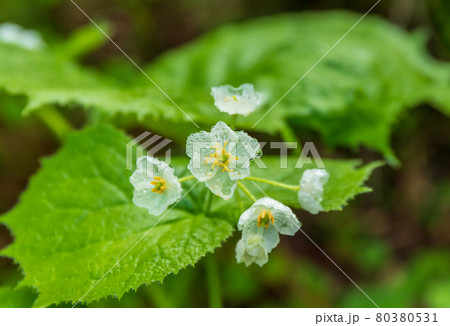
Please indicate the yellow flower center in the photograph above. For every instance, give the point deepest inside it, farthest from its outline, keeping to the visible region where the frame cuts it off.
(221, 157)
(159, 185)
(230, 97)
(264, 218)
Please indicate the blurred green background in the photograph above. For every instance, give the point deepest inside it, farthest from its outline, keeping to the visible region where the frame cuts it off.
(394, 242)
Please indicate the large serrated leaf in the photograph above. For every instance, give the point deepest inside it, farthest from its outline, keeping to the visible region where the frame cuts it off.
(48, 79)
(352, 97)
(76, 220)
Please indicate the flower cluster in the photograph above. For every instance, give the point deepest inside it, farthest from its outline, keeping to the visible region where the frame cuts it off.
(221, 158)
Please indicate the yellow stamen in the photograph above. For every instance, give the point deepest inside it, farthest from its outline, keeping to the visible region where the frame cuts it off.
(221, 157)
(264, 218)
(261, 216)
(226, 99)
(272, 218)
(159, 185)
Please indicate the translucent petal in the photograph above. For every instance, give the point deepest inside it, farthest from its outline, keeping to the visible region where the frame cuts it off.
(239, 173)
(146, 162)
(245, 149)
(200, 142)
(150, 167)
(262, 258)
(241, 100)
(154, 202)
(146, 170)
(248, 146)
(221, 133)
(270, 236)
(221, 184)
(240, 251)
(202, 170)
(173, 186)
(198, 148)
(140, 180)
(310, 195)
(249, 216)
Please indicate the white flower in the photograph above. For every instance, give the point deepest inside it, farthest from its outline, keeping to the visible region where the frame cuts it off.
(221, 157)
(242, 100)
(310, 195)
(15, 34)
(155, 185)
(261, 225)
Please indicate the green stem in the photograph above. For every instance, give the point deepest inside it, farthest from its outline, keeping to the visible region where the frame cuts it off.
(274, 183)
(55, 121)
(208, 203)
(189, 177)
(195, 201)
(247, 192)
(238, 197)
(212, 276)
(233, 121)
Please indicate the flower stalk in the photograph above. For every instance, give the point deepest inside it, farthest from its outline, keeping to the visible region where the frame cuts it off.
(184, 179)
(246, 191)
(274, 183)
(55, 121)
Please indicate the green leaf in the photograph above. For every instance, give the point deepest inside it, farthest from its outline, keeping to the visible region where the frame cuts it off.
(20, 298)
(352, 97)
(76, 220)
(47, 79)
(345, 182)
(436, 295)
